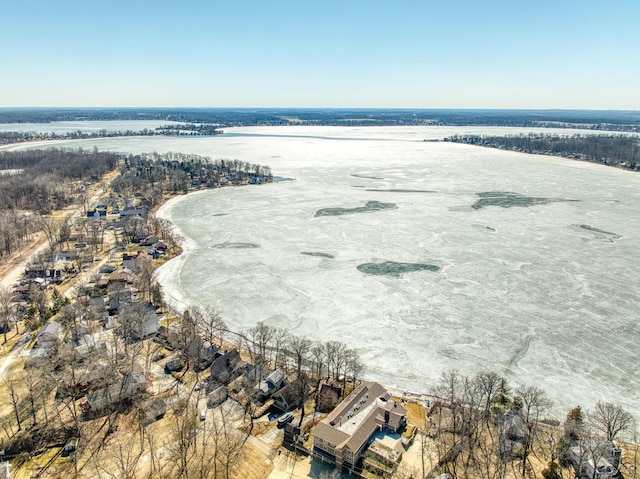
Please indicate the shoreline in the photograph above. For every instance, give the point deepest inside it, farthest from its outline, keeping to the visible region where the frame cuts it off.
(171, 267)
(172, 271)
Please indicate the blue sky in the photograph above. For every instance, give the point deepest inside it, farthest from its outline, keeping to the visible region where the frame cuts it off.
(321, 53)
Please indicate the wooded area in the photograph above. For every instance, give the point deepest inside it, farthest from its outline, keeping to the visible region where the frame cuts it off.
(622, 151)
(615, 120)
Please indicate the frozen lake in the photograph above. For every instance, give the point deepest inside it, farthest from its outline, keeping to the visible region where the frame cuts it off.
(545, 292)
(87, 126)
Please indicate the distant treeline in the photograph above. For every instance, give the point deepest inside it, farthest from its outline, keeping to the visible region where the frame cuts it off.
(586, 119)
(8, 137)
(204, 129)
(616, 150)
(179, 172)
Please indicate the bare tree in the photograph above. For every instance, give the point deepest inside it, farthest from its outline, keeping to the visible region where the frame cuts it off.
(280, 338)
(334, 351)
(49, 226)
(145, 277)
(14, 389)
(489, 385)
(318, 364)
(213, 325)
(592, 449)
(299, 348)
(534, 403)
(120, 460)
(6, 310)
(610, 419)
(354, 366)
(32, 381)
(261, 336)
(228, 441)
(183, 446)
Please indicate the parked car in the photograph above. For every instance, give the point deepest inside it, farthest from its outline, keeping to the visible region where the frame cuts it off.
(70, 447)
(174, 364)
(203, 414)
(285, 418)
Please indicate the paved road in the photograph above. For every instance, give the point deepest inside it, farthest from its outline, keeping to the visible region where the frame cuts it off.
(73, 213)
(7, 361)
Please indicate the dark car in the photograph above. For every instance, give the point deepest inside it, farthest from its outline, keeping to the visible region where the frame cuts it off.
(69, 448)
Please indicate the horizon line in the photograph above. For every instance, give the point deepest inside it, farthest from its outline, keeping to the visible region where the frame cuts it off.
(371, 108)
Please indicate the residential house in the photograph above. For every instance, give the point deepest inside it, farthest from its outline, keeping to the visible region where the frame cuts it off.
(129, 386)
(272, 383)
(223, 369)
(161, 246)
(217, 397)
(342, 437)
(153, 411)
(90, 378)
(288, 397)
(149, 240)
(138, 321)
(599, 459)
(124, 276)
(512, 435)
(118, 299)
(329, 397)
(97, 307)
(97, 215)
(133, 212)
(89, 346)
(206, 355)
(43, 276)
(37, 358)
(49, 335)
(65, 257)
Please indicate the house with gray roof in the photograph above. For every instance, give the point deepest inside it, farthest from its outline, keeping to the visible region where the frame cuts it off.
(129, 386)
(224, 368)
(49, 335)
(342, 437)
(272, 382)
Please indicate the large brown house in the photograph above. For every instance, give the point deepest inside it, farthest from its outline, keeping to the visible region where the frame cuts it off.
(343, 435)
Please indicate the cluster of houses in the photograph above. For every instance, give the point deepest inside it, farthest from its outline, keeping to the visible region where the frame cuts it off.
(110, 305)
(368, 423)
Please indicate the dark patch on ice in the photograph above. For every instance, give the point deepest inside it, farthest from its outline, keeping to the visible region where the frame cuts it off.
(508, 199)
(392, 268)
(369, 207)
(601, 233)
(367, 177)
(318, 254)
(484, 228)
(221, 214)
(394, 190)
(228, 245)
(523, 347)
(279, 179)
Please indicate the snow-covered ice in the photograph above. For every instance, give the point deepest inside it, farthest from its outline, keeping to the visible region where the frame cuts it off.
(546, 294)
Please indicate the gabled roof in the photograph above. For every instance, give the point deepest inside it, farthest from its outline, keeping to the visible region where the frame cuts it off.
(272, 382)
(49, 331)
(225, 364)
